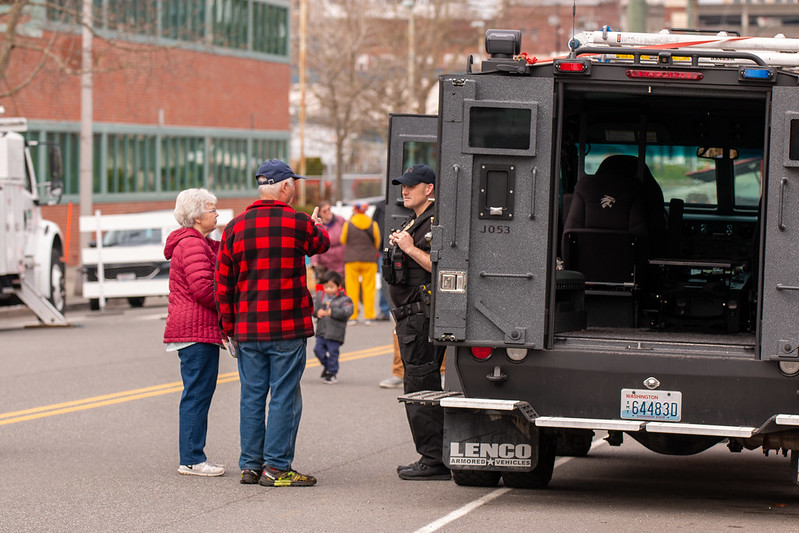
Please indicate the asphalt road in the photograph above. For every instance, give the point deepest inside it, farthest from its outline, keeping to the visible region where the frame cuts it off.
(88, 442)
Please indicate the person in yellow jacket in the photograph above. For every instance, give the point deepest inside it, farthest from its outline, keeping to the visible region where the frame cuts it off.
(361, 239)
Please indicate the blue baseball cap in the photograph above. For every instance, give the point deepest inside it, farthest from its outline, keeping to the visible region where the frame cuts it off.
(415, 175)
(274, 171)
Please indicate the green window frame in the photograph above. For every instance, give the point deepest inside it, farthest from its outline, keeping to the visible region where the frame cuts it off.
(250, 26)
(156, 162)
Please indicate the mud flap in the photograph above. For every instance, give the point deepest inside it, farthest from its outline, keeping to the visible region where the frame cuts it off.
(484, 434)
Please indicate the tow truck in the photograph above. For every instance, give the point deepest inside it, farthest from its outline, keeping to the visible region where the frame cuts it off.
(31, 248)
(613, 248)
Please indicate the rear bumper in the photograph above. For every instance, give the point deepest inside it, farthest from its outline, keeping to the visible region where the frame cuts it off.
(721, 396)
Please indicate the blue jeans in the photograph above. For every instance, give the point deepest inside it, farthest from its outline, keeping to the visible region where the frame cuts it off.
(199, 368)
(274, 366)
(327, 351)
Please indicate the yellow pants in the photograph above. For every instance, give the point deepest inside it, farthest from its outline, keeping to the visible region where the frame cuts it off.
(355, 274)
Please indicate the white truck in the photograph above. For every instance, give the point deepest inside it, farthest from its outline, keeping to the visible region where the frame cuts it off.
(31, 248)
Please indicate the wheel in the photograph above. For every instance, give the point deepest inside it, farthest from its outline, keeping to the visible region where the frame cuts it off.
(476, 478)
(574, 442)
(94, 304)
(58, 286)
(538, 477)
(136, 301)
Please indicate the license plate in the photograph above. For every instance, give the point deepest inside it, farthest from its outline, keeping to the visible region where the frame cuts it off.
(651, 405)
(126, 276)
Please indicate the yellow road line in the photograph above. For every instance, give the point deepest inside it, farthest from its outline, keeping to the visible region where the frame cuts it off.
(155, 390)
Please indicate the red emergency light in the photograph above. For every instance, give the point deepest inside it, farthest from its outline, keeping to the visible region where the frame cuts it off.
(665, 75)
(572, 66)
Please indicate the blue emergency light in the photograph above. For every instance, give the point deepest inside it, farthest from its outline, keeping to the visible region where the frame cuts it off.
(756, 73)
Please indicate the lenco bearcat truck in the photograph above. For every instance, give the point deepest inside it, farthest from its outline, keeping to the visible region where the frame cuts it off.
(614, 249)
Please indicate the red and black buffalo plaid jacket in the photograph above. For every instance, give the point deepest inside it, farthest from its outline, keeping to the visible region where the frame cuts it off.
(261, 288)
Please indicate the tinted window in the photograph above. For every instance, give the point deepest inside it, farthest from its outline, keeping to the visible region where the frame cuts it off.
(500, 127)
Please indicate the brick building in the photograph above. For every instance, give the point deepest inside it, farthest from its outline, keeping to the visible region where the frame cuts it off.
(186, 93)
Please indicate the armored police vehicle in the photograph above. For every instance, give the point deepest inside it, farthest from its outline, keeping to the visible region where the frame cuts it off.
(613, 249)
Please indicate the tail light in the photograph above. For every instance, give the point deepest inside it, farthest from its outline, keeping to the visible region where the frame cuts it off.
(481, 352)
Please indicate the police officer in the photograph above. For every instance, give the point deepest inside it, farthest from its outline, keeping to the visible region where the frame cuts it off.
(408, 269)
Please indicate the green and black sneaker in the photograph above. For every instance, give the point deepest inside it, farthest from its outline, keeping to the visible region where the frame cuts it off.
(271, 477)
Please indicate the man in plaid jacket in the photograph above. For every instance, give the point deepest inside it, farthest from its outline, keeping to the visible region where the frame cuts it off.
(265, 307)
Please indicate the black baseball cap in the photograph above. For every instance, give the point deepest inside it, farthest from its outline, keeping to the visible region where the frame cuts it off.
(415, 175)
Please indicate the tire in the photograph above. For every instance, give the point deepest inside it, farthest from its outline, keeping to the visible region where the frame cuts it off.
(58, 285)
(476, 478)
(94, 304)
(538, 477)
(574, 442)
(136, 301)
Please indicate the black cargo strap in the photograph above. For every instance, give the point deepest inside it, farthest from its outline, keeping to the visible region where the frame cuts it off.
(412, 308)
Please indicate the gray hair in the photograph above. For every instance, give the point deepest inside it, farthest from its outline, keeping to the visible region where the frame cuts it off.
(271, 190)
(191, 204)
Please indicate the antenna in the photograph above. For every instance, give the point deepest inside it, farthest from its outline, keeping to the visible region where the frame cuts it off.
(572, 44)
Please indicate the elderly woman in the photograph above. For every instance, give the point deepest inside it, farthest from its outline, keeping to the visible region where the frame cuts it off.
(192, 325)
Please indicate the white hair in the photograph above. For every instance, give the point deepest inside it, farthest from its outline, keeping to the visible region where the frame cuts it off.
(191, 204)
(271, 190)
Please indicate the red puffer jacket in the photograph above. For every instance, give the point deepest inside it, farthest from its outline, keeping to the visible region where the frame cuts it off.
(192, 305)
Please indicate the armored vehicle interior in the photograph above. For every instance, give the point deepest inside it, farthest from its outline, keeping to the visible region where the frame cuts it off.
(659, 209)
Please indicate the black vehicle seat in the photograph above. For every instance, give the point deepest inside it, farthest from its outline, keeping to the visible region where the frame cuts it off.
(605, 234)
(657, 218)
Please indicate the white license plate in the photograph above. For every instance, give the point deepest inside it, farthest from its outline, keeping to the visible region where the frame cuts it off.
(645, 404)
(126, 276)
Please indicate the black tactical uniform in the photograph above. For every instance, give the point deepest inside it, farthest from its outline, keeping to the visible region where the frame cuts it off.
(422, 360)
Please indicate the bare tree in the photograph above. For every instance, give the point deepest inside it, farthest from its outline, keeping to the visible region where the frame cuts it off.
(41, 35)
(358, 61)
(337, 45)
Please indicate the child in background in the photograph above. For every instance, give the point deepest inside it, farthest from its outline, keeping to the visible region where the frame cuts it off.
(333, 308)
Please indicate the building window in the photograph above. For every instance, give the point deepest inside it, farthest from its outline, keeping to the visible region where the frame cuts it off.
(183, 19)
(155, 162)
(245, 25)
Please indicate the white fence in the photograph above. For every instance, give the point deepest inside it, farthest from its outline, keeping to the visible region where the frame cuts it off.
(126, 286)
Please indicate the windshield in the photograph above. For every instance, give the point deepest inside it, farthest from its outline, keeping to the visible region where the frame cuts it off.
(682, 174)
(132, 237)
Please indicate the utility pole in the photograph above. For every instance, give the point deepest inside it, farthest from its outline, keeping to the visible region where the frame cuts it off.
(303, 23)
(636, 16)
(86, 118)
(411, 53)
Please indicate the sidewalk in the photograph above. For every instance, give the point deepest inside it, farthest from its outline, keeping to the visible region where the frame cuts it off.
(75, 299)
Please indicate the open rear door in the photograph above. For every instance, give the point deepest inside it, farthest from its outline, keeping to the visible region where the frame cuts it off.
(490, 238)
(780, 302)
(412, 140)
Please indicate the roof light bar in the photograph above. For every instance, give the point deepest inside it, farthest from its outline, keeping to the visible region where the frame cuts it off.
(665, 75)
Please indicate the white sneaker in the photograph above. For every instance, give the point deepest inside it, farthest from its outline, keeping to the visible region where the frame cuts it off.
(203, 469)
(391, 383)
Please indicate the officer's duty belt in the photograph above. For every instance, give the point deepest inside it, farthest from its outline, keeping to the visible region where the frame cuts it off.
(409, 309)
